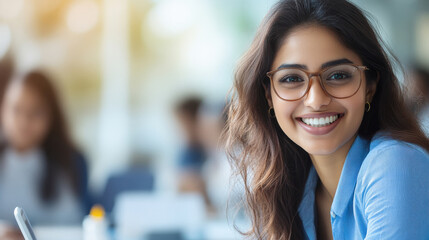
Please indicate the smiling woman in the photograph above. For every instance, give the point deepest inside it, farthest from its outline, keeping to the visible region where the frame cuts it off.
(314, 48)
(319, 132)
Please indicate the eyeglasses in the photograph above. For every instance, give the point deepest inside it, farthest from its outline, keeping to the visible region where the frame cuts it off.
(341, 81)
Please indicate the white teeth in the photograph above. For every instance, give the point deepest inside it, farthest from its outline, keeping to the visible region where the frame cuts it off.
(316, 121)
(320, 122)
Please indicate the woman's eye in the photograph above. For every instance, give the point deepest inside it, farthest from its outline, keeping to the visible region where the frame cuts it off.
(339, 76)
(291, 79)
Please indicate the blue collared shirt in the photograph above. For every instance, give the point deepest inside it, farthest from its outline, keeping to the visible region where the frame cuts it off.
(383, 193)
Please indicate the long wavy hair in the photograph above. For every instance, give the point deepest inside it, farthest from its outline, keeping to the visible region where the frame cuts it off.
(272, 167)
(60, 151)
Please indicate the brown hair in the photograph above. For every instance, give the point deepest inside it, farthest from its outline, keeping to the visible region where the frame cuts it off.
(273, 168)
(6, 71)
(60, 152)
(189, 107)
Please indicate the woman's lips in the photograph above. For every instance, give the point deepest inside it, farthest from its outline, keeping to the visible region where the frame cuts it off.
(321, 123)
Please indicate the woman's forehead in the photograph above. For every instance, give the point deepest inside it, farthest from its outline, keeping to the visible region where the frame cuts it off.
(312, 46)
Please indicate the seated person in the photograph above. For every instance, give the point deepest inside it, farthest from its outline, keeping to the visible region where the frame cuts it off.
(41, 169)
(192, 156)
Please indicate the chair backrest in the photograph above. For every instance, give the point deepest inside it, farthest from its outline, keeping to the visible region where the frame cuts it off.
(140, 214)
(136, 179)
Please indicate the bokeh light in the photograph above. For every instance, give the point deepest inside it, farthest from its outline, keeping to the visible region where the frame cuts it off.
(170, 17)
(82, 16)
(10, 9)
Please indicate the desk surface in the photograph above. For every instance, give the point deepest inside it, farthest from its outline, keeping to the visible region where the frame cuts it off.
(212, 230)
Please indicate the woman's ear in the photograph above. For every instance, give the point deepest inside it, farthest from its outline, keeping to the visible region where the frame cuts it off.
(267, 89)
(371, 88)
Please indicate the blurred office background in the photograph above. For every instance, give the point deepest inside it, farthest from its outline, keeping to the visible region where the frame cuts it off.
(122, 67)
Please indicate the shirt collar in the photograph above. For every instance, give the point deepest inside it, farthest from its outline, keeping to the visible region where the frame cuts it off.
(347, 183)
(306, 207)
(345, 189)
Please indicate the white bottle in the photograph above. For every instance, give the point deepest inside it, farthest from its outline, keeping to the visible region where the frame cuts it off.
(95, 225)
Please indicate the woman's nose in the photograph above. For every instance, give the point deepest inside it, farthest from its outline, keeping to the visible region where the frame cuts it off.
(316, 97)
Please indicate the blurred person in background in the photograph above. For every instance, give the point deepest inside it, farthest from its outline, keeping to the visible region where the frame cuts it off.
(417, 86)
(41, 170)
(192, 156)
(216, 170)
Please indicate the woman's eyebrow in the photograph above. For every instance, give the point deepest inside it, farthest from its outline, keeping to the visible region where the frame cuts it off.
(335, 62)
(292, 66)
(324, 65)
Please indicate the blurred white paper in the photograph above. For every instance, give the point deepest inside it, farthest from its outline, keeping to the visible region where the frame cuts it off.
(58, 232)
(137, 214)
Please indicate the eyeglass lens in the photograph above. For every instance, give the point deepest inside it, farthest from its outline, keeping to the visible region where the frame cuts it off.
(339, 81)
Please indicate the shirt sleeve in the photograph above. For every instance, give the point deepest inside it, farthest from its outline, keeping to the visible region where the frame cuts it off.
(396, 194)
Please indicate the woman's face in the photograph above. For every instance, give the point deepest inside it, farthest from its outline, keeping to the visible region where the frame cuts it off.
(312, 47)
(25, 117)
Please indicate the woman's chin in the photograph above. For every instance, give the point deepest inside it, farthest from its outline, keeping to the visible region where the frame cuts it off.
(320, 148)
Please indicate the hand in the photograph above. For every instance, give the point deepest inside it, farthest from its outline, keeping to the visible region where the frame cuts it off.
(10, 233)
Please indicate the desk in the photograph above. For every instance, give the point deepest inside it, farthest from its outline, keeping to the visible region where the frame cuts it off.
(212, 230)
